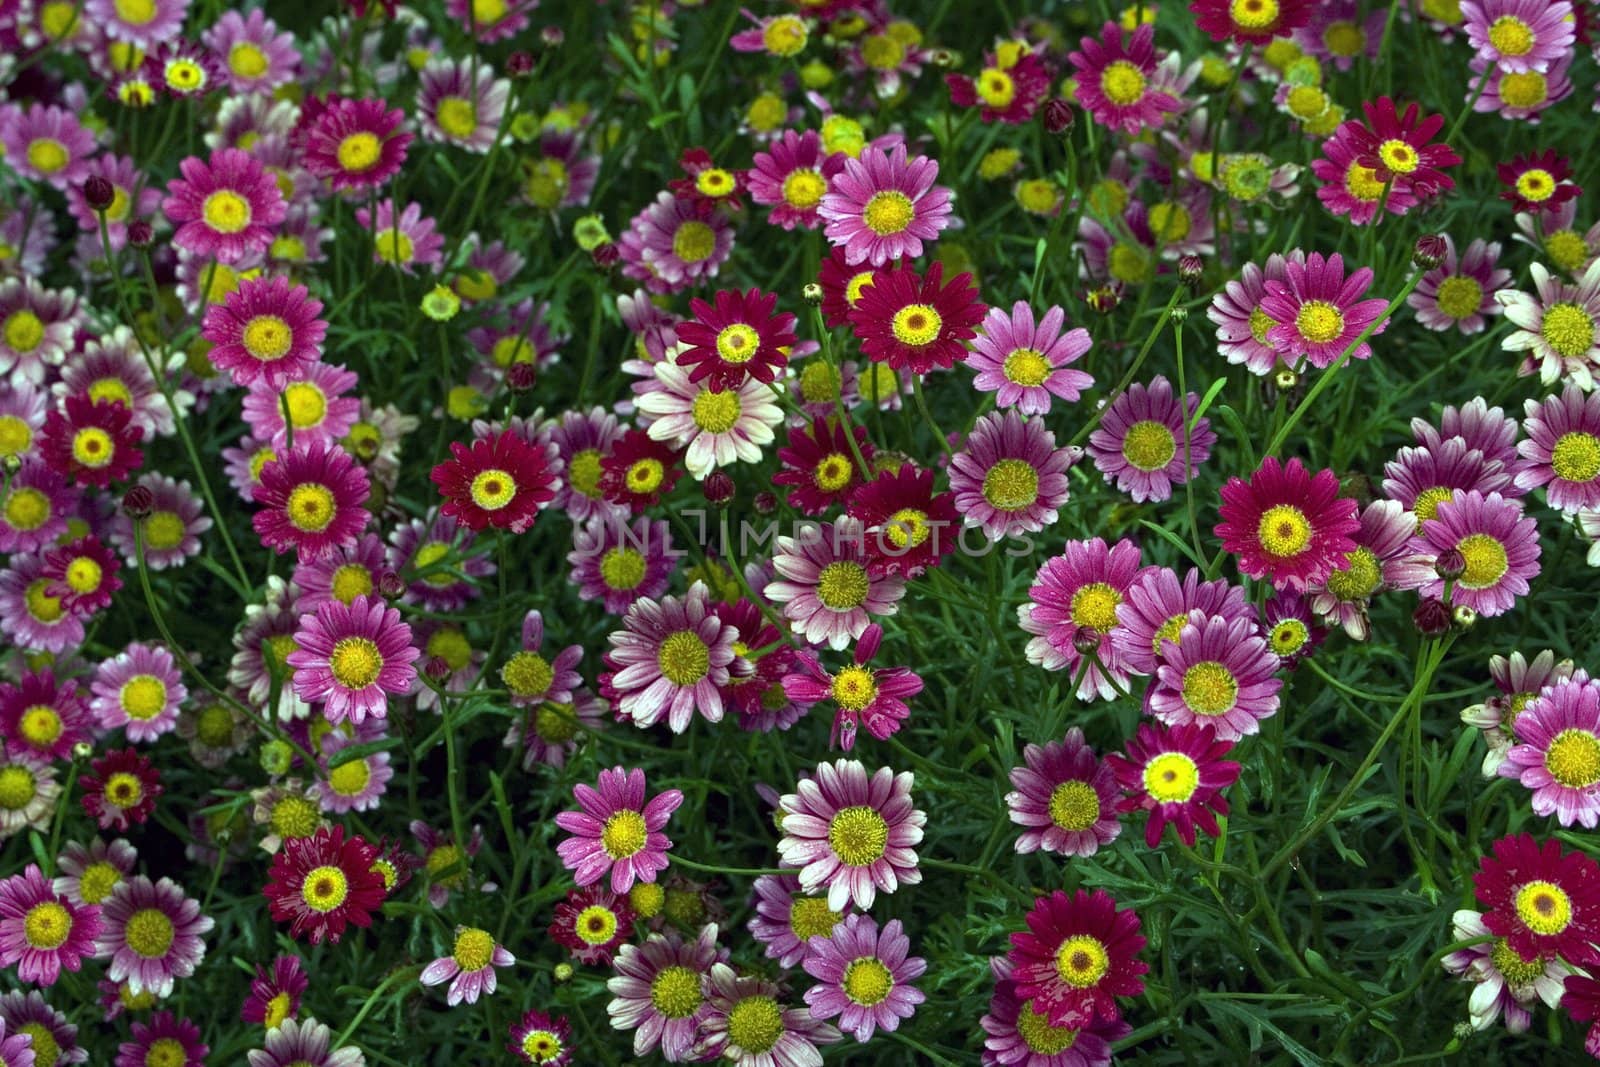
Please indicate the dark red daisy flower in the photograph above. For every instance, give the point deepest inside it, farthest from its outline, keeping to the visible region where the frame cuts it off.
(842, 286)
(909, 320)
(1288, 525)
(83, 575)
(1396, 147)
(908, 526)
(706, 185)
(760, 659)
(1250, 21)
(639, 471)
(1176, 773)
(592, 922)
(324, 882)
(312, 501)
(275, 994)
(499, 481)
(1076, 955)
(1537, 181)
(1005, 93)
(1580, 998)
(120, 789)
(40, 717)
(93, 442)
(818, 465)
(1541, 900)
(739, 337)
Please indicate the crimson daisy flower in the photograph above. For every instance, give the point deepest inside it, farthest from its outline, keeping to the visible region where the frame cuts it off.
(1537, 181)
(706, 185)
(913, 321)
(905, 521)
(1117, 81)
(1288, 525)
(93, 441)
(740, 337)
(819, 466)
(1250, 21)
(266, 330)
(842, 285)
(323, 883)
(1542, 900)
(1077, 954)
(639, 470)
(311, 500)
(592, 923)
(1396, 147)
(1008, 89)
(120, 789)
(83, 575)
(1177, 773)
(499, 481)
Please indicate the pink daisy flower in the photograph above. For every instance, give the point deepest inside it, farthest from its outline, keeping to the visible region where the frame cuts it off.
(863, 976)
(1025, 364)
(1396, 147)
(1561, 449)
(354, 144)
(1074, 597)
(1065, 798)
(882, 206)
(34, 507)
(1219, 672)
(1520, 96)
(669, 246)
(785, 1036)
(852, 833)
(1319, 312)
(42, 718)
(311, 500)
(350, 784)
(1009, 477)
(1114, 80)
(1422, 478)
(1352, 189)
(1459, 293)
(1156, 606)
(656, 991)
(252, 55)
(791, 176)
(617, 831)
(1504, 981)
(47, 144)
(1248, 22)
(1557, 752)
(1498, 544)
(1286, 524)
(152, 934)
(530, 678)
(266, 331)
(1009, 88)
(143, 24)
(1519, 35)
(1144, 442)
(457, 110)
(226, 207)
(1077, 955)
(1373, 566)
(140, 691)
(875, 699)
(787, 918)
(826, 584)
(1177, 774)
(541, 1040)
(164, 1037)
(408, 240)
(1019, 1032)
(42, 932)
(617, 562)
(470, 966)
(739, 338)
(29, 615)
(670, 659)
(83, 575)
(592, 923)
(353, 657)
(491, 20)
(1479, 426)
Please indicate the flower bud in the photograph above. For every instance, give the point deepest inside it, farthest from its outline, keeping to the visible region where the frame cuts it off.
(98, 192)
(82, 750)
(1450, 564)
(137, 502)
(519, 379)
(812, 294)
(390, 585)
(1190, 267)
(1432, 617)
(1429, 251)
(944, 58)
(1086, 639)
(765, 503)
(552, 36)
(1285, 380)
(275, 757)
(1463, 616)
(718, 489)
(140, 234)
(1104, 299)
(11, 462)
(1057, 117)
(605, 256)
(562, 972)
(437, 668)
(519, 64)
(441, 303)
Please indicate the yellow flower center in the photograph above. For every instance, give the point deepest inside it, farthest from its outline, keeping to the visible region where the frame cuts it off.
(1033, 1026)
(350, 779)
(1544, 907)
(324, 889)
(888, 212)
(907, 528)
(1459, 296)
(247, 60)
(843, 586)
(359, 152)
(854, 688)
(623, 834)
(164, 530)
(350, 581)
(488, 12)
(622, 568)
(474, 949)
(645, 475)
(996, 88)
(1445, 11)
(150, 933)
(143, 697)
(39, 725)
(1149, 445)
(738, 343)
(1209, 688)
(916, 325)
(47, 925)
(1573, 758)
(1171, 778)
(1358, 579)
(1130, 263)
(1122, 83)
(114, 389)
(527, 674)
(214, 726)
(1566, 249)
(556, 723)
(83, 575)
(93, 447)
(1074, 806)
(59, 20)
(1510, 36)
(803, 188)
(755, 1025)
(1568, 329)
(1082, 961)
(1427, 503)
(1576, 457)
(784, 36)
(1011, 485)
(311, 507)
(97, 881)
(1344, 38)
(867, 981)
(1170, 222)
(17, 787)
(277, 1011)
(675, 992)
(694, 242)
(882, 52)
(457, 116)
(1254, 14)
(493, 489)
(583, 473)
(1319, 321)
(355, 662)
(307, 404)
(1095, 605)
(684, 658)
(40, 604)
(1362, 183)
(443, 859)
(27, 509)
(833, 472)
(267, 338)
(124, 790)
(713, 182)
(716, 412)
(16, 436)
(1284, 531)
(1486, 561)
(295, 817)
(1535, 185)
(47, 155)
(1026, 367)
(595, 925)
(858, 835)
(1398, 156)
(547, 185)
(226, 211)
(811, 917)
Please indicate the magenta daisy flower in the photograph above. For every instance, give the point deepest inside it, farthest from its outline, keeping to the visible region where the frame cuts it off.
(863, 975)
(1077, 955)
(1177, 774)
(1024, 364)
(165, 1039)
(34, 1027)
(617, 831)
(851, 833)
(747, 1025)
(1009, 477)
(1522, 95)
(1561, 449)
(350, 784)
(314, 406)
(132, 197)
(1287, 525)
(1557, 752)
(1114, 80)
(1498, 544)
(311, 501)
(657, 991)
(1519, 35)
(1155, 607)
(739, 338)
(353, 657)
(1074, 597)
(592, 923)
(275, 993)
(1144, 444)
(670, 659)
(1505, 982)
(530, 678)
(92, 441)
(140, 691)
(83, 575)
(47, 144)
(354, 144)
(669, 246)
(1352, 189)
(500, 481)
(875, 699)
(42, 718)
(343, 575)
(144, 23)
(1542, 900)
(618, 562)
(152, 934)
(458, 110)
(826, 585)
(1065, 797)
(1422, 478)
(250, 52)
(908, 526)
(469, 968)
(787, 918)
(266, 330)
(1319, 312)
(1396, 148)
(1219, 672)
(34, 506)
(29, 615)
(120, 789)
(226, 207)
(882, 206)
(42, 932)
(1537, 181)
(1248, 22)
(1459, 293)
(1009, 88)
(791, 177)
(917, 322)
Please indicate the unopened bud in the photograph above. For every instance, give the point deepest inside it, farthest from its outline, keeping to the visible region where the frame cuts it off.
(390, 585)
(98, 192)
(1285, 380)
(812, 294)
(1450, 564)
(944, 58)
(1057, 117)
(552, 36)
(11, 462)
(519, 379)
(605, 256)
(1190, 267)
(275, 757)
(1432, 617)
(140, 234)
(1463, 616)
(1104, 299)
(138, 501)
(718, 489)
(562, 972)
(765, 503)
(1086, 639)
(1429, 251)
(437, 668)
(519, 64)
(82, 750)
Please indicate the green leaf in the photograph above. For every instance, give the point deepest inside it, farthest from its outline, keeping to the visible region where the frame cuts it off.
(362, 751)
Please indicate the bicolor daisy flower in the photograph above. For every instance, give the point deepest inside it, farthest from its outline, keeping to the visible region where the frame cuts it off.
(1018, 1031)
(819, 465)
(1078, 954)
(351, 784)
(33, 1028)
(41, 717)
(1074, 597)
(1178, 775)
(1499, 547)
(226, 207)
(1115, 80)
(353, 658)
(747, 1025)
(656, 991)
(670, 659)
(34, 506)
(469, 968)
(1287, 525)
(42, 932)
(617, 831)
(883, 205)
(1560, 449)
(1537, 181)
(875, 699)
(1460, 292)
(1219, 672)
(164, 1038)
(83, 575)
(787, 918)
(826, 586)
(1505, 982)
(252, 55)
(403, 237)
(1065, 798)
(712, 429)
(1156, 606)
(322, 883)
(917, 322)
(1145, 442)
(139, 690)
(152, 934)
(1542, 900)
(1558, 326)
(852, 833)
(93, 442)
(541, 1040)
(1009, 477)
(863, 976)
(1557, 752)
(1026, 364)
(303, 1041)
(275, 993)
(669, 246)
(456, 109)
